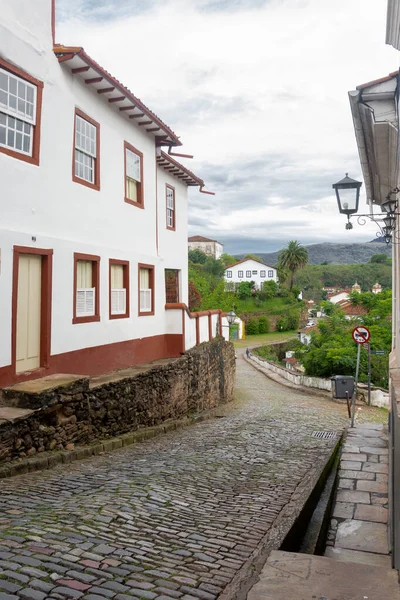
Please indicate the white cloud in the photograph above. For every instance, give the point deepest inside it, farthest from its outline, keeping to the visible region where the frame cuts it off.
(240, 81)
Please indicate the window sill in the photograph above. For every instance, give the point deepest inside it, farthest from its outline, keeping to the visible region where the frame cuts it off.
(91, 319)
(171, 228)
(93, 186)
(146, 314)
(124, 316)
(137, 204)
(33, 160)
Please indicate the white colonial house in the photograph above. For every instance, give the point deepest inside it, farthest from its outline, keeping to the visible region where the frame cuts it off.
(93, 231)
(250, 270)
(206, 245)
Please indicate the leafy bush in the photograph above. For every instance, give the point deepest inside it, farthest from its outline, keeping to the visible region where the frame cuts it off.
(282, 324)
(244, 290)
(284, 292)
(263, 324)
(293, 320)
(252, 326)
(197, 256)
(269, 290)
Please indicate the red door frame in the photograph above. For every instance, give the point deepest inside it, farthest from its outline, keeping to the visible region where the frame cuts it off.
(45, 307)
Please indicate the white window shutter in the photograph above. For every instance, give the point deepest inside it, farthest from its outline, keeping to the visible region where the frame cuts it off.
(145, 300)
(85, 302)
(118, 302)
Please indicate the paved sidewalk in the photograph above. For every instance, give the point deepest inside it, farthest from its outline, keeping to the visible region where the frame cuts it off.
(177, 517)
(359, 521)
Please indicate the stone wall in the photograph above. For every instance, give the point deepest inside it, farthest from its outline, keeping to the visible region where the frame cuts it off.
(81, 412)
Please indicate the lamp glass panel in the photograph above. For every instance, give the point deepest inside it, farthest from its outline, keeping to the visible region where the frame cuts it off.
(348, 199)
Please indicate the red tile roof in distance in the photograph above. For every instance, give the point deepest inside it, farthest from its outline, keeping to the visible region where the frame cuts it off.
(200, 238)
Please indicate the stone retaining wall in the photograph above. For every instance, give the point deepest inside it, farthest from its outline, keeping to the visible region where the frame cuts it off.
(71, 414)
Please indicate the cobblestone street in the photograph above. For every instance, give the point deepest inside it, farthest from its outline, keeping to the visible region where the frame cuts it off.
(174, 517)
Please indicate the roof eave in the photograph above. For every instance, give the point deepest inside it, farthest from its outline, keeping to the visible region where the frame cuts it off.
(66, 53)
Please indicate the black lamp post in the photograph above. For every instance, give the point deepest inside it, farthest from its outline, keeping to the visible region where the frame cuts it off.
(347, 196)
(231, 316)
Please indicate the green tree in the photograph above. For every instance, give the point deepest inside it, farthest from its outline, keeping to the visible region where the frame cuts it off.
(379, 258)
(197, 256)
(214, 267)
(293, 258)
(228, 259)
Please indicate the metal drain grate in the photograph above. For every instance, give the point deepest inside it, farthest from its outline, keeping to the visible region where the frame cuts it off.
(324, 435)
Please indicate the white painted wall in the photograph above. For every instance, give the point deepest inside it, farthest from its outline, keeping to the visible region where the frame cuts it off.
(211, 248)
(338, 297)
(68, 217)
(172, 244)
(251, 265)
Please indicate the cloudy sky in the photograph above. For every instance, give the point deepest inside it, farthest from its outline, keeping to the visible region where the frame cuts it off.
(257, 91)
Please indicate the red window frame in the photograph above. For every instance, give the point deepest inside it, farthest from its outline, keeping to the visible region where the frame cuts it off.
(140, 188)
(96, 184)
(95, 260)
(170, 187)
(151, 283)
(35, 158)
(125, 264)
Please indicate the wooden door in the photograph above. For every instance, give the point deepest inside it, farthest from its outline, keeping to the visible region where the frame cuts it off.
(29, 300)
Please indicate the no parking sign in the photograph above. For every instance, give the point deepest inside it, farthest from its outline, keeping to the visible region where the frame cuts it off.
(361, 334)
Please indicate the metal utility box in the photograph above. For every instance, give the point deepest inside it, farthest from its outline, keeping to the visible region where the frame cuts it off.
(342, 384)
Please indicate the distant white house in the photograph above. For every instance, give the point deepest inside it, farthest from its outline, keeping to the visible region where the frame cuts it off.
(304, 334)
(250, 270)
(340, 295)
(206, 245)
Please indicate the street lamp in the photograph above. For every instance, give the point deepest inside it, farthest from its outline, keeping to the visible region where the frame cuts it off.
(231, 316)
(347, 196)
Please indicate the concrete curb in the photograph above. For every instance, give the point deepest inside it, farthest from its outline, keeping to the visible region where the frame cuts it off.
(47, 460)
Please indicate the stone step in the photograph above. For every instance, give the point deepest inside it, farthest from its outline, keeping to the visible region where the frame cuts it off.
(37, 393)
(10, 413)
(294, 576)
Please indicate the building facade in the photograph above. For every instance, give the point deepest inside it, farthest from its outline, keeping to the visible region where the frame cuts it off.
(375, 111)
(94, 213)
(249, 270)
(206, 245)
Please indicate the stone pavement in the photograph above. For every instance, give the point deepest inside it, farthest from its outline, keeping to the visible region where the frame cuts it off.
(182, 516)
(359, 520)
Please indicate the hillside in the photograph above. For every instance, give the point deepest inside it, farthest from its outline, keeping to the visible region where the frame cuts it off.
(337, 254)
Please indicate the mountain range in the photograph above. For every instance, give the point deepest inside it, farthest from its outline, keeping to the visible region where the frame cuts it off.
(336, 254)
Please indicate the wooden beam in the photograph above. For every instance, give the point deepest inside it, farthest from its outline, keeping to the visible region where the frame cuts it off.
(80, 70)
(106, 90)
(153, 129)
(127, 108)
(145, 123)
(136, 116)
(117, 99)
(93, 80)
(64, 58)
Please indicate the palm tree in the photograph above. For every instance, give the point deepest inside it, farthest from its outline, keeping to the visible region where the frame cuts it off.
(293, 257)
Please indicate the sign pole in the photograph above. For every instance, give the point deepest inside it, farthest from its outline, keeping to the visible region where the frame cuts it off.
(369, 374)
(353, 405)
